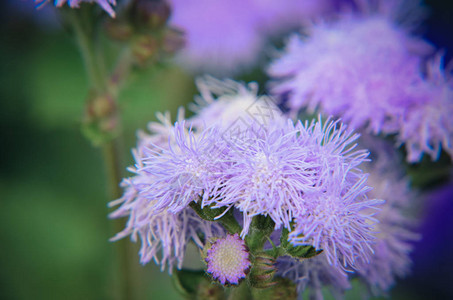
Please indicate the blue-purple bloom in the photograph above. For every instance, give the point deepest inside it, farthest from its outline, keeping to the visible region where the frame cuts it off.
(228, 259)
(105, 4)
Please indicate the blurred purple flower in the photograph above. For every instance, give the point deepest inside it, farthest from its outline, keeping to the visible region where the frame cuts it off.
(228, 36)
(427, 126)
(314, 274)
(362, 68)
(105, 4)
(220, 35)
(226, 102)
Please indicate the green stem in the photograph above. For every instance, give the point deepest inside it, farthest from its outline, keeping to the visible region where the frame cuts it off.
(85, 36)
(259, 232)
(229, 222)
(111, 155)
(84, 33)
(241, 292)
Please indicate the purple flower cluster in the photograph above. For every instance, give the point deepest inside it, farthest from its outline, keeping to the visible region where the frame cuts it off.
(105, 4)
(368, 71)
(305, 177)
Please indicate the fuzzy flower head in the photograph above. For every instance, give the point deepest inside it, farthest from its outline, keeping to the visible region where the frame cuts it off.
(184, 172)
(270, 170)
(339, 223)
(228, 260)
(168, 175)
(163, 235)
(105, 4)
(361, 68)
(160, 133)
(337, 219)
(428, 126)
(228, 104)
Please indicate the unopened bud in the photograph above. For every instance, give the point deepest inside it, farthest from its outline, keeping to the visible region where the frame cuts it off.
(227, 259)
(144, 47)
(152, 14)
(100, 107)
(263, 271)
(119, 31)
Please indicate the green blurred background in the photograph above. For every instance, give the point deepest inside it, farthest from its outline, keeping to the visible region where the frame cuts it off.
(53, 208)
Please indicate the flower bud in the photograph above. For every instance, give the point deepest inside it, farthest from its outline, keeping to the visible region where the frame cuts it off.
(119, 31)
(263, 271)
(227, 259)
(144, 47)
(151, 14)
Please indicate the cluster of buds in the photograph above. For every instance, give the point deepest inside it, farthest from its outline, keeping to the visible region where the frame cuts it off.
(101, 118)
(143, 25)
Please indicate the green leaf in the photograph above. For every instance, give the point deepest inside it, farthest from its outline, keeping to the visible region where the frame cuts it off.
(186, 282)
(304, 251)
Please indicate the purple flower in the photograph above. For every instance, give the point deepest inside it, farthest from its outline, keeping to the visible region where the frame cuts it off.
(313, 274)
(182, 172)
(362, 68)
(339, 223)
(163, 235)
(428, 126)
(228, 260)
(268, 174)
(160, 135)
(335, 219)
(105, 4)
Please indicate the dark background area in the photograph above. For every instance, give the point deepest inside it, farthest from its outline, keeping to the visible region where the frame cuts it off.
(54, 228)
